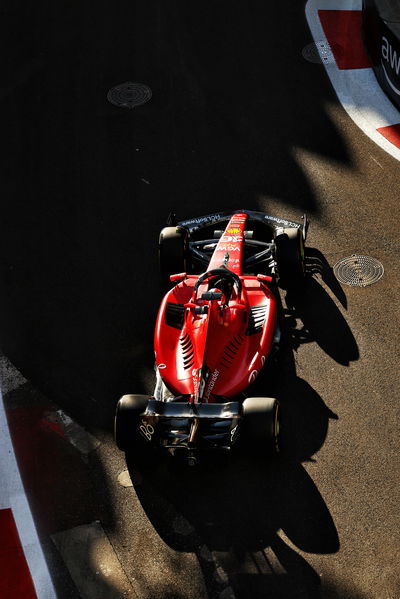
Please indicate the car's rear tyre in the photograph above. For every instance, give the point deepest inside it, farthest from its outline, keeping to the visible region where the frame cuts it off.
(173, 252)
(290, 257)
(127, 419)
(261, 423)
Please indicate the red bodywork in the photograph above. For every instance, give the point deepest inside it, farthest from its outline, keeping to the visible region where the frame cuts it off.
(216, 354)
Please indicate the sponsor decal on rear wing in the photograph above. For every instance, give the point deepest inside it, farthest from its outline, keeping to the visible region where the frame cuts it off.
(193, 224)
(203, 221)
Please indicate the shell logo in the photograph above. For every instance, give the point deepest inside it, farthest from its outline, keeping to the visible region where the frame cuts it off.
(233, 231)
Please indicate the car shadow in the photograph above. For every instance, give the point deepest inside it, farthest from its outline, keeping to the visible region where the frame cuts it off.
(239, 507)
(317, 264)
(230, 511)
(320, 318)
(234, 509)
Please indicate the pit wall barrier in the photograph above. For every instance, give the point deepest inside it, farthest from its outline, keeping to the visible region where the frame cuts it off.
(381, 31)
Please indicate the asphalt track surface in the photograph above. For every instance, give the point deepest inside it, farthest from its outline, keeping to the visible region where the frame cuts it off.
(238, 119)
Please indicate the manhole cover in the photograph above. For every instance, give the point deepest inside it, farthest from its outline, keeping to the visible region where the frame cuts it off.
(129, 95)
(318, 52)
(358, 271)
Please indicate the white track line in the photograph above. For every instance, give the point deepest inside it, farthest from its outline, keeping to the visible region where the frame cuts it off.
(10, 377)
(12, 495)
(357, 89)
(76, 435)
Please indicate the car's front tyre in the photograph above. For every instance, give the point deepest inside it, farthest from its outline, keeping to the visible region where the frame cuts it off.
(173, 252)
(290, 259)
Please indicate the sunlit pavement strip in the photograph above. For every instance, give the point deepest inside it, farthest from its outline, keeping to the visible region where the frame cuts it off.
(23, 568)
(351, 76)
(93, 563)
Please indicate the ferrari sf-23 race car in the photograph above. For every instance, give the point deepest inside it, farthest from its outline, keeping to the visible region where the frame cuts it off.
(216, 328)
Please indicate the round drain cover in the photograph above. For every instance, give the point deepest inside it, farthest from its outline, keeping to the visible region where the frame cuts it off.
(318, 53)
(129, 95)
(358, 271)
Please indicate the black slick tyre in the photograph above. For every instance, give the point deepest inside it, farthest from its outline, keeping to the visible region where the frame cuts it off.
(261, 424)
(173, 252)
(127, 420)
(290, 257)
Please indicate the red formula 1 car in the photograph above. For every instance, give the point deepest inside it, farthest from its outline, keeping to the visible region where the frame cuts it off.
(215, 330)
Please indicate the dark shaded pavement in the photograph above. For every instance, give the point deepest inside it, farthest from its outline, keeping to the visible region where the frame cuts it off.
(79, 222)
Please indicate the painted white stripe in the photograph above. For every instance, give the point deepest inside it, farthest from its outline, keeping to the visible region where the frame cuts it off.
(12, 496)
(357, 89)
(77, 436)
(339, 4)
(10, 378)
